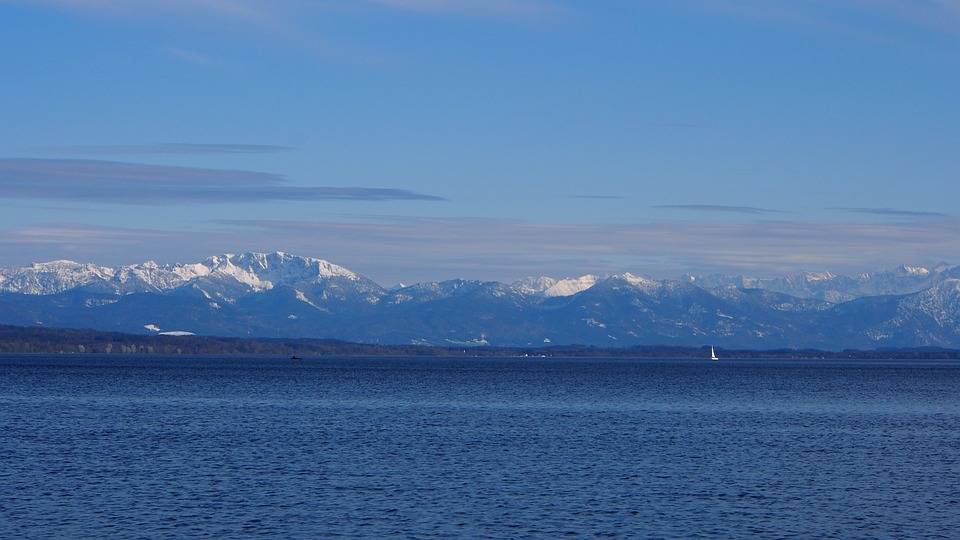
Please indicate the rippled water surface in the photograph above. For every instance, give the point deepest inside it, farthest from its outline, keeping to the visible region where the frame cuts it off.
(500, 448)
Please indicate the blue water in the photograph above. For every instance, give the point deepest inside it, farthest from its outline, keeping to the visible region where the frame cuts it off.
(95, 447)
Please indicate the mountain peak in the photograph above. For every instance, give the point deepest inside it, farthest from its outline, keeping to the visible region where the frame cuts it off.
(571, 286)
(52, 277)
(908, 270)
(251, 270)
(812, 277)
(640, 282)
(278, 262)
(280, 294)
(534, 285)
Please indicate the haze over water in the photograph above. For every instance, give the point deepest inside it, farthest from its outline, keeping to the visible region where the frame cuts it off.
(128, 447)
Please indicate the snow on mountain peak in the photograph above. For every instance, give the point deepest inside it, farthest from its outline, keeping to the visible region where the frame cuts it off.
(571, 286)
(263, 271)
(52, 277)
(255, 271)
(908, 270)
(812, 277)
(534, 285)
(640, 282)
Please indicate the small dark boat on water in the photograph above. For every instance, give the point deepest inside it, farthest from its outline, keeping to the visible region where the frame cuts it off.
(295, 357)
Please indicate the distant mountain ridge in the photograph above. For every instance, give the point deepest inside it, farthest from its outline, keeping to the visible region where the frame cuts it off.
(904, 279)
(257, 270)
(282, 295)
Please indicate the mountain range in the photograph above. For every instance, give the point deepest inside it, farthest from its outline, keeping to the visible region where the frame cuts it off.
(282, 295)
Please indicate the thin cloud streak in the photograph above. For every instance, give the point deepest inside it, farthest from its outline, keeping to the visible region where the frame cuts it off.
(269, 12)
(941, 14)
(249, 9)
(507, 249)
(276, 19)
(282, 20)
(169, 149)
(72, 237)
(753, 210)
(142, 184)
(895, 212)
(509, 8)
(837, 16)
(392, 249)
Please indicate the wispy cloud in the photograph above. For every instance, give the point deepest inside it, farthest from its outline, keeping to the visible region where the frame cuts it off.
(507, 249)
(168, 148)
(270, 11)
(284, 20)
(852, 17)
(245, 9)
(72, 237)
(504, 249)
(895, 212)
(276, 19)
(136, 183)
(512, 8)
(715, 208)
(943, 14)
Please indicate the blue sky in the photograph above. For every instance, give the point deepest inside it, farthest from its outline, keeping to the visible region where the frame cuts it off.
(428, 139)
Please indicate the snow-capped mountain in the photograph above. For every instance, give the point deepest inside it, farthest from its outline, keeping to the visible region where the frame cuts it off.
(570, 286)
(832, 287)
(930, 317)
(551, 287)
(249, 272)
(52, 277)
(534, 285)
(281, 295)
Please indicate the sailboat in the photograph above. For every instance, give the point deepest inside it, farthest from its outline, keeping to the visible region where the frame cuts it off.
(713, 354)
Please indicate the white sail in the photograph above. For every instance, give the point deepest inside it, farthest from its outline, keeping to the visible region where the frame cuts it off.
(713, 354)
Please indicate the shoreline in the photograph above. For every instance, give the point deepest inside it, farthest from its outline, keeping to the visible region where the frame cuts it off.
(16, 340)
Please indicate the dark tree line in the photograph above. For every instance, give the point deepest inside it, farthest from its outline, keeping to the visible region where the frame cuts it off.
(23, 340)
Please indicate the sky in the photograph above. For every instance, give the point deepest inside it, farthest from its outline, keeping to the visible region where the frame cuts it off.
(414, 140)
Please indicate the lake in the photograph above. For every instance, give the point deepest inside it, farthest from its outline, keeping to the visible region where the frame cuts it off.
(137, 447)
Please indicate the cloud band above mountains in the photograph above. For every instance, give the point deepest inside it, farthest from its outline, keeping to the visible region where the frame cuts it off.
(890, 212)
(136, 183)
(391, 249)
(717, 208)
